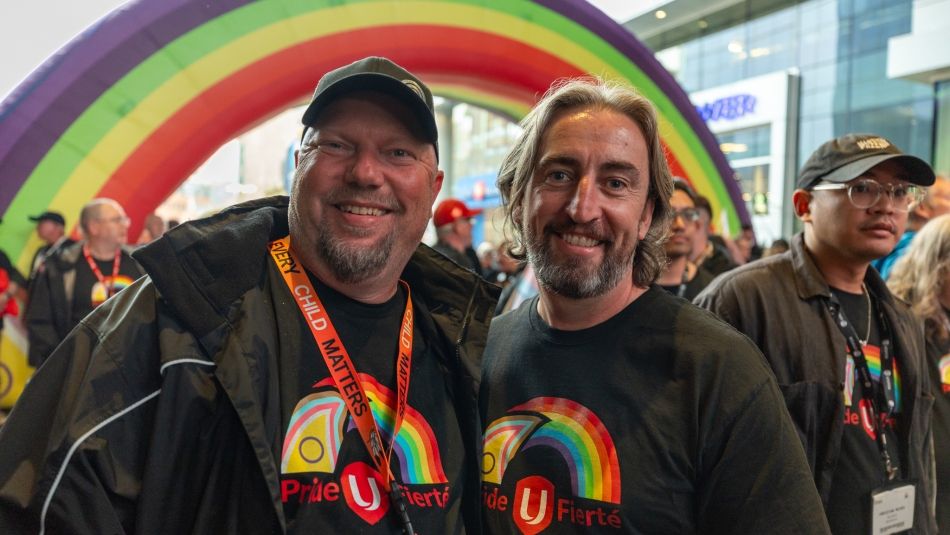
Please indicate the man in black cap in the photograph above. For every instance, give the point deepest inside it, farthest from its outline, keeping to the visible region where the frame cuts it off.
(298, 365)
(849, 357)
(51, 228)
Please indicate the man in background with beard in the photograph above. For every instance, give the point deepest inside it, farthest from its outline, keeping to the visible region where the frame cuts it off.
(257, 380)
(610, 406)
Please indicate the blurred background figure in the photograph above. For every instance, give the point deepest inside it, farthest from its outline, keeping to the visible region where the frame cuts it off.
(745, 247)
(935, 203)
(922, 278)
(453, 229)
(778, 246)
(152, 229)
(51, 228)
(12, 285)
(680, 276)
(79, 277)
(488, 260)
(509, 268)
(709, 250)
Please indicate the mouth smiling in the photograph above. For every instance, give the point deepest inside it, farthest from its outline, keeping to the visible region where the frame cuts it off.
(361, 210)
(581, 241)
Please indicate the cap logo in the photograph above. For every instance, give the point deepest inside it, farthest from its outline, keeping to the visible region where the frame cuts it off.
(873, 143)
(411, 84)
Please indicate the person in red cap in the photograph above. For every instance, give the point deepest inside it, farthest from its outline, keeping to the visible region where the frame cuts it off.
(453, 228)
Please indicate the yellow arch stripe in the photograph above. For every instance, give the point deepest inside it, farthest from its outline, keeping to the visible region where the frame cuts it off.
(93, 171)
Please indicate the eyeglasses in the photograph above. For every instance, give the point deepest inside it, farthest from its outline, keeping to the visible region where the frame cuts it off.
(865, 193)
(120, 219)
(687, 214)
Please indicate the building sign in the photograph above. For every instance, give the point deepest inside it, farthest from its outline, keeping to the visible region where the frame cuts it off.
(728, 108)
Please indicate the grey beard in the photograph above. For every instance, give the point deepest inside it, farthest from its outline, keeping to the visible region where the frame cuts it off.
(354, 264)
(570, 278)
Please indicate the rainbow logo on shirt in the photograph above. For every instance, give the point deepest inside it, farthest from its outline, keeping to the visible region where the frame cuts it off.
(872, 354)
(569, 428)
(314, 434)
(117, 283)
(944, 367)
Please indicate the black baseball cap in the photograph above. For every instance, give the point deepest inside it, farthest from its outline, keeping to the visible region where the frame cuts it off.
(55, 217)
(849, 156)
(382, 75)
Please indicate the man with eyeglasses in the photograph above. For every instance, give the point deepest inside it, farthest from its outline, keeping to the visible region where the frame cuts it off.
(680, 276)
(848, 356)
(79, 277)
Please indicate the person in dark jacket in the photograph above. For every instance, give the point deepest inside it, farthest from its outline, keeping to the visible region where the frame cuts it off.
(849, 357)
(51, 228)
(78, 277)
(286, 366)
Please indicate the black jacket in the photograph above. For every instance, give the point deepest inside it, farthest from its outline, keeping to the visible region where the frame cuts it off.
(778, 302)
(154, 415)
(49, 314)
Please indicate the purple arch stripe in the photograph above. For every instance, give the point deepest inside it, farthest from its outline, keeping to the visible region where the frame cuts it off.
(64, 88)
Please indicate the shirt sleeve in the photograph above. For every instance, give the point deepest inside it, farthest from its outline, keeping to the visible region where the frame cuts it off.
(755, 477)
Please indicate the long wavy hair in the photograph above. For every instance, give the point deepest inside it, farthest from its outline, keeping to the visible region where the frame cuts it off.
(919, 276)
(518, 167)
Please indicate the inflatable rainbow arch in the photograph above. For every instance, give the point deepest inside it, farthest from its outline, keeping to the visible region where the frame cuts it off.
(132, 106)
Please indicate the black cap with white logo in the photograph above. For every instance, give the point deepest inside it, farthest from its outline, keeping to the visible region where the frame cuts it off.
(850, 156)
(381, 75)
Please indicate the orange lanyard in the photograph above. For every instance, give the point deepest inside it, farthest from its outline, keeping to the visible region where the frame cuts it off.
(338, 359)
(95, 269)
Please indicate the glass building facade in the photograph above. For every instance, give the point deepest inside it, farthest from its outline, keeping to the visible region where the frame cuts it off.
(838, 52)
(838, 47)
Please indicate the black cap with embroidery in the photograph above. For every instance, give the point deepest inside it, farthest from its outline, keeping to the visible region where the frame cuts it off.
(55, 217)
(849, 156)
(377, 74)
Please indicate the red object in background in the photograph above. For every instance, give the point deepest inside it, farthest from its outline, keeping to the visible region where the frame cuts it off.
(12, 308)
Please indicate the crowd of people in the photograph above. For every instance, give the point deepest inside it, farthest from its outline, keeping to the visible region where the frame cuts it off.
(304, 364)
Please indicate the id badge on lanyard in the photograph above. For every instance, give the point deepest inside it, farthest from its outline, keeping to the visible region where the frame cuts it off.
(892, 508)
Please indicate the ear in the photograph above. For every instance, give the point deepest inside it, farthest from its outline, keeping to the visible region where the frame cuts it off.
(646, 218)
(923, 210)
(801, 202)
(437, 184)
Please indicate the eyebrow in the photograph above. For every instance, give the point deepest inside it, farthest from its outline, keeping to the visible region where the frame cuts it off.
(611, 165)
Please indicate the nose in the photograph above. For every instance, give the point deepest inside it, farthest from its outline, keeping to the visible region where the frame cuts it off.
(365, 170)
(885, 201)
(583, 207)
(679, 220)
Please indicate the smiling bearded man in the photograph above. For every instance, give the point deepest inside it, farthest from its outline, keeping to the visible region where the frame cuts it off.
(609, 405)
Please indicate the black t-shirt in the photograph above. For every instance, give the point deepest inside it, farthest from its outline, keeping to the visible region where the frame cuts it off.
(859, 468)
(691, 289)
(329, 484)
(661, 419)
(938, 358)
(89, 292)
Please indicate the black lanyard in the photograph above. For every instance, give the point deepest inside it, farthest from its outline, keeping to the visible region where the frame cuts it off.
(883, 396)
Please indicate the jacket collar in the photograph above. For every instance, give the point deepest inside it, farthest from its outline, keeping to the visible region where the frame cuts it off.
(811, 283)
